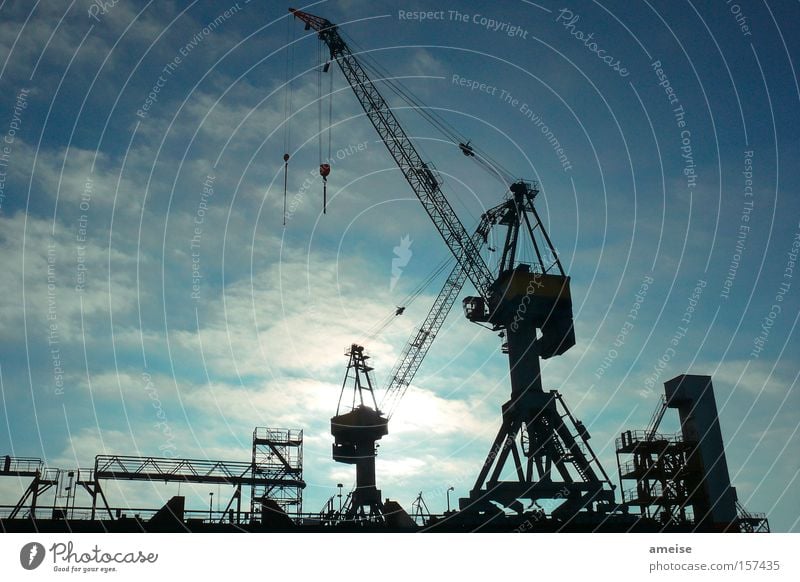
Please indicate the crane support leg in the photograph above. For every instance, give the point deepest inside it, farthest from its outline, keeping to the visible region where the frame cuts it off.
(534, 424)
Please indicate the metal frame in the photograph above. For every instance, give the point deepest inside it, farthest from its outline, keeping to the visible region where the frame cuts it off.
(41, 480)
(420, 512)
(133, 468)
(277, 469)
(659, 469)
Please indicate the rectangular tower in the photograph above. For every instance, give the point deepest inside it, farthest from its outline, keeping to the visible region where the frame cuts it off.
(708, 481)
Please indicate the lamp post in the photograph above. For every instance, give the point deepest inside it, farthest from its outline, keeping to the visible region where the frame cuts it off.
(71, 489)
(448, 498)
(210, 504)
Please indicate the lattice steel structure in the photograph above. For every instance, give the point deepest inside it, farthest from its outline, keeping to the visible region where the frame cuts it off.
(275, 474)
(683, 479)
(159, 469)
(42, 479)
(657, 467)
(277, 469)
(750, 522)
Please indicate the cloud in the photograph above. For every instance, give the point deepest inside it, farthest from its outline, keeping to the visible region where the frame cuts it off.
(59, 279)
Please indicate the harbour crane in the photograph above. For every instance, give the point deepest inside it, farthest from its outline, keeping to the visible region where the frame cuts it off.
(528, 304)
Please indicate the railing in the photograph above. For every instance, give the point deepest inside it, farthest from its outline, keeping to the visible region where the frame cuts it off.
(140, 513)
(51, 475)
(634, 494)
(632, 437)
(166, 469)
(84, 476)
(191, 516)
(658, 414)
(749, 515)
(281, 436)
(631, 467)
(13, 465)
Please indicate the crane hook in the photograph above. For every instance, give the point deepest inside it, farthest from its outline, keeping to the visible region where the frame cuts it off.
(324, 171)
(285, 183)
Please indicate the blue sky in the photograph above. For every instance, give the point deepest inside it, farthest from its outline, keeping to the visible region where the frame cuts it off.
(673, 192)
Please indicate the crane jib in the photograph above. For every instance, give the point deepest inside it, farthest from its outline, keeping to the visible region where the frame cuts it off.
(418, 174)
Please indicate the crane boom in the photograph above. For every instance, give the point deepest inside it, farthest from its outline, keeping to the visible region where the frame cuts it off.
(421, 339)
(419, 174)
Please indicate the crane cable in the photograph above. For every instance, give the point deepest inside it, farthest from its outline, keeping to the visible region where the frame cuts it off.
(288, 103)
(493, 167)
(409, 299)
(384, 323)
(452, 135)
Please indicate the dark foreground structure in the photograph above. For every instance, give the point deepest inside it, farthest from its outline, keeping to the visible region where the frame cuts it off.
(670, 483)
